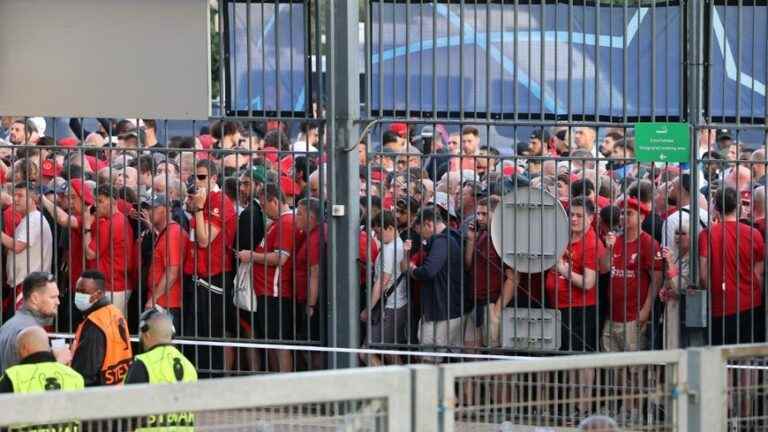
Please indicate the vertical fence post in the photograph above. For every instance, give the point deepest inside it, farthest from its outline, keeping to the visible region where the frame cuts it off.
(424, 394)
(694, 69)
(343, 186)
(707, 389)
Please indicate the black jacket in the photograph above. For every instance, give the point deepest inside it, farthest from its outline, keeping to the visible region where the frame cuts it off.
(442, 275)
(250, 227)
(89, 357)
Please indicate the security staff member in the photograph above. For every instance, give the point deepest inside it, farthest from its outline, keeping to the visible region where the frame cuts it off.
(38, 370)
(161, 363)
(101, 350)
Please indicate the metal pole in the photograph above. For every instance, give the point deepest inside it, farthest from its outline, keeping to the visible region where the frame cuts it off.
(707, 390)
(344, 227)
(695, 65)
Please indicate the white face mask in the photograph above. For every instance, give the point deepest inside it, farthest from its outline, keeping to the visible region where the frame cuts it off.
(82, 301)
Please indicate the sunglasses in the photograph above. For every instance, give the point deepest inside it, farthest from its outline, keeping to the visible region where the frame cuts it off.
(201, 177)
(681, 233)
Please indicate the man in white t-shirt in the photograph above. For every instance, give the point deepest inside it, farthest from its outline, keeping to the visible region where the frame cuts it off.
(388, 323)
(31, 247)
(680, 196)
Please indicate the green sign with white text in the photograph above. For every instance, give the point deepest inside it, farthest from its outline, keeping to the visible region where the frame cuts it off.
(662, 142)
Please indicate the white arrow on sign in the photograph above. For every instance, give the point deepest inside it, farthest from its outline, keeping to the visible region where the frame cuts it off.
(662, 156)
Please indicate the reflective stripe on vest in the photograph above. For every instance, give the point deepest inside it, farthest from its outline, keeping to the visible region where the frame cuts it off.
(117, 353)
(167, 365)
(41, 377)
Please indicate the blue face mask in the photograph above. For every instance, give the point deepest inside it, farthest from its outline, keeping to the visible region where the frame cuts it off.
(82, 301)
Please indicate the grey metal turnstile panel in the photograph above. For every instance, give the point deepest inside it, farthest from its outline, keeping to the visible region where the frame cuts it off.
(530, 230)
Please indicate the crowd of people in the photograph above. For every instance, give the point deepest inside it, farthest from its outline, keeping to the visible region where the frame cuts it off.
(226, 230)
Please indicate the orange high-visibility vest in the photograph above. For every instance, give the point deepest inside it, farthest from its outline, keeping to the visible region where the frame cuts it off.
(117, 353)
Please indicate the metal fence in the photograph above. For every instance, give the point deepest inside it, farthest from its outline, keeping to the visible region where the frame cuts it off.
(380, 110)
(353, 400)
(746, 395)
(714, 389)
(637, 390)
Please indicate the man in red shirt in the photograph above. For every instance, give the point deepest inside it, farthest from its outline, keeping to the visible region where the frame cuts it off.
(164, 279)
(636, 276)
(273, 275)
(307, 274)
(80, 198)
(759, 209)
(494, 284)
(307, 266)
(108, 240)
(208, 264)
(731, 256)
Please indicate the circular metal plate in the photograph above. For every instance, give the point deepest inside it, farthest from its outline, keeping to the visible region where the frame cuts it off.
(529, 230)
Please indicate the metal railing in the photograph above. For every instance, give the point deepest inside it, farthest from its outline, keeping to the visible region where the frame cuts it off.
(747, 387)
(638, 390)
(716, 389)
(351, 400)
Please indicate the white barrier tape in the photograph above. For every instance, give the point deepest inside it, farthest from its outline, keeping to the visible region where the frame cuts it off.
(325, 349)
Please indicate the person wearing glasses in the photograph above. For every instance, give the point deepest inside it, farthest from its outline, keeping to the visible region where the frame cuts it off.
(209, 263)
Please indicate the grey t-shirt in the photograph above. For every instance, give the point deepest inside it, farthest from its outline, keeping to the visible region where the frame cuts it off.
(22, 319)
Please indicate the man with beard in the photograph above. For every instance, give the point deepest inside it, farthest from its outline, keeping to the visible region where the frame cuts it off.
(611, 138)
(622, 159)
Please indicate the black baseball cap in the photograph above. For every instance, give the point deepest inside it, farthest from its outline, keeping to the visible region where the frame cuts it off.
(540, 134)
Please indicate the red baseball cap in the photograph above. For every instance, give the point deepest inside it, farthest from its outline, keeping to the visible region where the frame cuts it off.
(270, 154)
(83, 191)
(399, 128)
(634, 204)
(286, 164)
(51, 168)
(68, 142)
(377, 175)
(274, 124)
(206, 141)
(288, 186)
